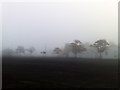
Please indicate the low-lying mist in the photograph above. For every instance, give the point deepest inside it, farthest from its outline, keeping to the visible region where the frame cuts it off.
(99, 49)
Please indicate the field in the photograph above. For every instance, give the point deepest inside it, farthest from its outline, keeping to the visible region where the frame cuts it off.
(26, 72)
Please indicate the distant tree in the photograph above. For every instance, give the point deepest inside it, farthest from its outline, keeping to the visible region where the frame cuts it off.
(43, 53)
(78, 42)
(8, 52)
(31, 50)
(93, 50)
(67, 49)
(77, 47)
(101, 46)
(20, 50)
(57, 51)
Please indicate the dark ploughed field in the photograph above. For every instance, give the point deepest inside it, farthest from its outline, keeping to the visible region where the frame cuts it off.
(24, 72)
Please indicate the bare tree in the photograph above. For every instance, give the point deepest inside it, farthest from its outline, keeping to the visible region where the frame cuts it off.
(101, 46)
(20, 50)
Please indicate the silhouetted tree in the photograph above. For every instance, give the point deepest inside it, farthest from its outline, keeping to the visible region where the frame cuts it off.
(101, 46)
(20, 50)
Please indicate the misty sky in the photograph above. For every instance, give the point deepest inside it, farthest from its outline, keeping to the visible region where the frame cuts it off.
(52, 24)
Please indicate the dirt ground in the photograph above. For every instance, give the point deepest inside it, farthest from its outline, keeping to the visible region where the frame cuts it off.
(24, 72)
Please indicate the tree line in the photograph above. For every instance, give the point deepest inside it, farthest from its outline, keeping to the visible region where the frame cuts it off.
(75, 47)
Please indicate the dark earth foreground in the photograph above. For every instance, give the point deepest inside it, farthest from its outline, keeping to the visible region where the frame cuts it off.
(24, 72)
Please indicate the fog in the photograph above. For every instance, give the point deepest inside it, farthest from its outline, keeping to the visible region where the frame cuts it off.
(46, 25)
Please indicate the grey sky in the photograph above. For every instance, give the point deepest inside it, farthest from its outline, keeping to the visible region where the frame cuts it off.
(54, 24)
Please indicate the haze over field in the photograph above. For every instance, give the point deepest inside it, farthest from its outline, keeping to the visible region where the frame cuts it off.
(43, 32)
(53, 24)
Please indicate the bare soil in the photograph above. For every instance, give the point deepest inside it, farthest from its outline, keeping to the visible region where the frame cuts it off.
(26, 72)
